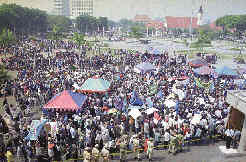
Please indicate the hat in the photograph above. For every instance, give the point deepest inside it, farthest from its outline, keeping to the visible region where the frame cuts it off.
(87, 148)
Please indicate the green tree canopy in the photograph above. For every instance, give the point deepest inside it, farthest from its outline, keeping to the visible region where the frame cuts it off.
(232, 21)
(22, 20)
(90, 24)
(62, 22)
(6, 38)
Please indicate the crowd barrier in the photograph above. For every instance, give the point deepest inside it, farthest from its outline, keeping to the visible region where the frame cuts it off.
(157, 147)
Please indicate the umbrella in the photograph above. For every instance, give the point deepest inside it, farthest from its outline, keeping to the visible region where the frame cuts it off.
(135, 113)
(66, 100)
(144, 67)
(196, 119)
(169, 103)
(156, 52)
(226, 71)
(179, 92)
(198, 63)
(151, 110)
(95, 85)
(204, 70)
(112, 111)
(241, 70)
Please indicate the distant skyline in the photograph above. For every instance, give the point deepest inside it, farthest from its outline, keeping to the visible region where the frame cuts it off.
(118, 9)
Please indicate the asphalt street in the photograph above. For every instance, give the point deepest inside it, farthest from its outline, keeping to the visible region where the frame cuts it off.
(198, 153)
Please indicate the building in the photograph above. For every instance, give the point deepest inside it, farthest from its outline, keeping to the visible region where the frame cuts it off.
(142, 19)
(155, 24)
(19, 2)
(236, 118)
(81, 7)
(61, 7)
(181, 22)
(184, 23)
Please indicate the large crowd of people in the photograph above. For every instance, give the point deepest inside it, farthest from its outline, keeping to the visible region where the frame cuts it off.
(93, 132)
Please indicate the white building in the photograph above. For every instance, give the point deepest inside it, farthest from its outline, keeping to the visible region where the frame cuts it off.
(81, 7)
(61, 7)
(237, 115)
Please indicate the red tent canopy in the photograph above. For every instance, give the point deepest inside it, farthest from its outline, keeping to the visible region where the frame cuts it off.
(66, 100)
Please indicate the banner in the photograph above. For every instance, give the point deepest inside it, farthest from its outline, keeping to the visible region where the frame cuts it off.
(202, 84)
(35, 128)
(53, 127)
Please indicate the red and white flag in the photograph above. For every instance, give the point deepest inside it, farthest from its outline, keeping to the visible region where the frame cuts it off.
(157, 117)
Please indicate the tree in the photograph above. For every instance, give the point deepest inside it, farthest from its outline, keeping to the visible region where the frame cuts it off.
(6, 38)
(22, 20)
(79, 39)
(237, 22)
(136, 32)
(62, 22)
(3, 74)
(55, 34)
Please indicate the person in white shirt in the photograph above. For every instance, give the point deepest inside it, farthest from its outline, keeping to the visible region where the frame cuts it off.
(166, 139)
(228, 138)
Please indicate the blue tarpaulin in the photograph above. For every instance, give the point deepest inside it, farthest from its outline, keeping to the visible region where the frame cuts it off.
(135, 100)
(226, 71)
(145, 67)
(36, 127)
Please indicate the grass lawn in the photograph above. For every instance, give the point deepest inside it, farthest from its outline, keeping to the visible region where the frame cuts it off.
(199, 45)
(235, 49)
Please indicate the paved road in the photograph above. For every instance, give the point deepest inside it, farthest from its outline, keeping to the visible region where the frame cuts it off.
(218, 46)
(202, 153)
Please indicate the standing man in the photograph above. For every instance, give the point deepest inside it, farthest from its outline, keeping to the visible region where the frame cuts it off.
(123, 148)
(136, 147)
(95, 153)
(150, 148)
(228, 138)
(87, 155)
(105, 153)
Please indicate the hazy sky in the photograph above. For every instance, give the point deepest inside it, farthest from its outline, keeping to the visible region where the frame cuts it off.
(117, 9)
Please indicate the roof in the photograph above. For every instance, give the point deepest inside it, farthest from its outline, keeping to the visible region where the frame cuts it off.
(142, 18)
(181, 22)
(184, 23)
(66, 100)
(155, 24)
(237, 99)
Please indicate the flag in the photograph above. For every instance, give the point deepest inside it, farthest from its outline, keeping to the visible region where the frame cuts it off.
(177, 106)
(157, 117)
(36, 127)
(159, 94)
(199, 16)
(124, 105)
(149, 102)
(133, 96)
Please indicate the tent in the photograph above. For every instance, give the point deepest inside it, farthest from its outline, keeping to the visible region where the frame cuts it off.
(196, 119)
(144, 67)
(226, 71)
(134, 107)
(198, 63)
(151, 110)
(170, 103)
(204, 70)
(135, 113)
(66, 100)
(95, 85)
(241, 70)
(156, 52)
